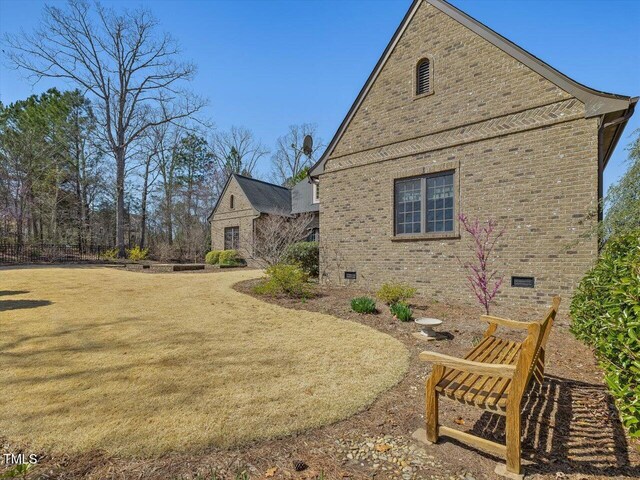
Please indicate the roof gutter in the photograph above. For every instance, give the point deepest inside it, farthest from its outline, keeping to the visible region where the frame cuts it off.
(620, 123)
(603, 157)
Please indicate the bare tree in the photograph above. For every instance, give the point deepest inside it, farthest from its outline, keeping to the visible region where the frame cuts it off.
(235, 151)
(166, 138)
(289, 159)
(150, 173)
(121, 60)
(275, 233)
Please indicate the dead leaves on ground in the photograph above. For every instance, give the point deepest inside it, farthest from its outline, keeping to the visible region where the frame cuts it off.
(383, 447)
(271, 472)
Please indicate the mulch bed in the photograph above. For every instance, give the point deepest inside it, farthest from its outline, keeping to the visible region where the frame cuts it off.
(571, 427)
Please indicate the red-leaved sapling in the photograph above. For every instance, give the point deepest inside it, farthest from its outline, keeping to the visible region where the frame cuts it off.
(483, 279)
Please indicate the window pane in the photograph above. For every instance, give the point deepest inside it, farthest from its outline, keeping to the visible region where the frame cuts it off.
(231, 238)
(408, 206)
(440, 203)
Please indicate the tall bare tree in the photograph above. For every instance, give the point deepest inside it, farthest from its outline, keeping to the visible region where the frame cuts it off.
(149, 172)
(289, 159)
(235, 151)
(122, 61)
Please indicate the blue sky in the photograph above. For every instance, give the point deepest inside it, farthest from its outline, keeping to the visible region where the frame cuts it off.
(268, 64)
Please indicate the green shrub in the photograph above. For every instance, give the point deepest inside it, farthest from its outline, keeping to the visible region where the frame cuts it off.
(391, 293)
(267, 287)
(212, 257)
(401, 311)
(136, 253)
(228, 258)
(111, 254)
(363, 305)
(305, 254)
(605, 312)
(282, 278)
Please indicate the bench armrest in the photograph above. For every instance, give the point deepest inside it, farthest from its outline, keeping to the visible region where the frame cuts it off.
(505, 322)
(479, 368)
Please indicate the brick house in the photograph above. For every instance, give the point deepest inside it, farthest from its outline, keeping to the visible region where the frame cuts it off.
(245, 201)
(456, 118)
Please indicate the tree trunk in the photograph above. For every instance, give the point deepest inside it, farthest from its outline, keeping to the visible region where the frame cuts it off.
(120, 212)
(143, 204)
(169, 216)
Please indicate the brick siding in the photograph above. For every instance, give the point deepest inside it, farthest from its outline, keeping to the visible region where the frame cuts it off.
(524, 155)
(242, 216)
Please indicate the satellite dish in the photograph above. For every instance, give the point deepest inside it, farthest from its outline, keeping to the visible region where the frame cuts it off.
(307, 145)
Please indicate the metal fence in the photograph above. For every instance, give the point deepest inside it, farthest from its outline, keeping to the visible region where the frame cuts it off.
(12, 253)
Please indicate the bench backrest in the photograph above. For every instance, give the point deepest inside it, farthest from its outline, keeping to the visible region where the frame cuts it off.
(531, 361)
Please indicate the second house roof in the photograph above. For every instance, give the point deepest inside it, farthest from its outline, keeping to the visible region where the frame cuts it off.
(265, 197)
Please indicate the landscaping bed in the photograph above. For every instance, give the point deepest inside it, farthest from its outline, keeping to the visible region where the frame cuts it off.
(571, 426)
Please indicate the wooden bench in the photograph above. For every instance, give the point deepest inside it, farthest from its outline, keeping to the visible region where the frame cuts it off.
(493, 376)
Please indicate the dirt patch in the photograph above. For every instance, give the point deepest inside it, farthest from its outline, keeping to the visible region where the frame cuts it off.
(570, 426)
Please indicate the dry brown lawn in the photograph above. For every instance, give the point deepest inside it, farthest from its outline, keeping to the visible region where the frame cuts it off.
(140, 364)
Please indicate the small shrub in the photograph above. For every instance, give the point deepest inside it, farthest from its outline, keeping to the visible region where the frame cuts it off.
(305, 254)
(282, 278)
(401, 311)
(136, 253)
(213, 257)
(111, 254)
(363, 305)
(391, 293)
(483, 280)
(605, 312)
(228, 258)
(267, 287)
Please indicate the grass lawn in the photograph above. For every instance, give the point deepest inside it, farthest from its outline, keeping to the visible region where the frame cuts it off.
(141, 364)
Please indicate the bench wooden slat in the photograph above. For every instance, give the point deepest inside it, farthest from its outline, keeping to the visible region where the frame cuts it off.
(470, 388)
(471, 380)
(510, 359)
(451, 374)
(454, 378)
(479, 390)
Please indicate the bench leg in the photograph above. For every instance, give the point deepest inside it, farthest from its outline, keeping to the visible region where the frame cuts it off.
(513, 440)
(431, 415)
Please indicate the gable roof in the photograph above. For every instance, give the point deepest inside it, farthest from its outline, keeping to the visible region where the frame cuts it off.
(263, 196)
(596, 102)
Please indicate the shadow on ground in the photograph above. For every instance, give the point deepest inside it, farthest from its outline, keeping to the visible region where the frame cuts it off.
(6, 305)
(12, 292)
(566, 430)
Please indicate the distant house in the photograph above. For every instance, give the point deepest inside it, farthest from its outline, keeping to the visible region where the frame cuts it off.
(456, 118)
(245, 201)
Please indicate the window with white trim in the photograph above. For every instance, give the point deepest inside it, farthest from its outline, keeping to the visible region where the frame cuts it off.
(316, 193)
(424, 204)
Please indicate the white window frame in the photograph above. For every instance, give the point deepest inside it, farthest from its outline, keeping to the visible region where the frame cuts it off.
(315, 196)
